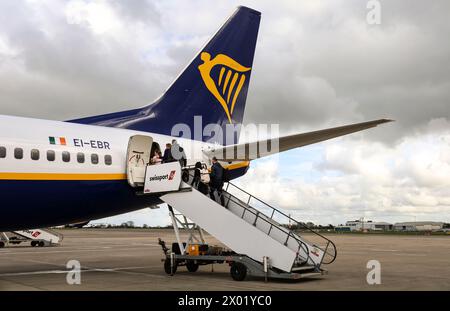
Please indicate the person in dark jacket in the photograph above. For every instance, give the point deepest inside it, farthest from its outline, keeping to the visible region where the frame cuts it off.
(197, 174)
(216, 183)
(167, 157)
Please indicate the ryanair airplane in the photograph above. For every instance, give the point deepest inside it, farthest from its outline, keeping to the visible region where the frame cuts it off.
(54, 173)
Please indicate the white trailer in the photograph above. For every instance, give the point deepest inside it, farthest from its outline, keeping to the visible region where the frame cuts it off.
(36, 237)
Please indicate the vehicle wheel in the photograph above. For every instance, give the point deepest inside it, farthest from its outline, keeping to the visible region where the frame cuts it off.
(167, 267)
(41, 244)
(238, 271)
(33, 243)
(192, 266)
(2, 244)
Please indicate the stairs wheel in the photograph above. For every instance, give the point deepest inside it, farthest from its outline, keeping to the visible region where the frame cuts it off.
(167, 267)
(192, 266)
(41, 244)
(2, 244)
(33, 243)
(238, 271)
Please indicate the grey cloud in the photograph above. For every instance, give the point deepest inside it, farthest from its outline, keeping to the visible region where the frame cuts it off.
(70, 71)
(397, 70)
(313, 67)
(138, 10)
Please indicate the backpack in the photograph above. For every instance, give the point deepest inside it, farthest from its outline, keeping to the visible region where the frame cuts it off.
(204, 176)
(225, 175)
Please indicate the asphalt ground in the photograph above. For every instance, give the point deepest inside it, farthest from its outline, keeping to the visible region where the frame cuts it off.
(130, 259)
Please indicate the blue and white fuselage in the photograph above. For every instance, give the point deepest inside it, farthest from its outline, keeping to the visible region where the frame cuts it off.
(42, 189)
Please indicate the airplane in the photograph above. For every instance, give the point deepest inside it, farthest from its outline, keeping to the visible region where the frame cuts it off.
(58, 172)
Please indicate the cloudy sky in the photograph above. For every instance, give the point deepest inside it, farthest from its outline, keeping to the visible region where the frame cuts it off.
(318, 64)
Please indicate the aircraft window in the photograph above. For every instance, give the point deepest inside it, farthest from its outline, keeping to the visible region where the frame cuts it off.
(2, 152)
(108, 159)
(50, 155)
(66, 156)
(94, 158)
(80, 157)
(18, 153)
(34, 154)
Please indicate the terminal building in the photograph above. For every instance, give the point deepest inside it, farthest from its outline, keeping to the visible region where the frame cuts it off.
(358, 225)
(419, 226)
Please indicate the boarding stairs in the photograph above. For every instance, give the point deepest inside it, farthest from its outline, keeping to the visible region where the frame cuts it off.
(249, 226)
(246, 224)
(38, 237)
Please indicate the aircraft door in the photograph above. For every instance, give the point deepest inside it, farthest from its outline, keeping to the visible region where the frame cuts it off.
(138, 157)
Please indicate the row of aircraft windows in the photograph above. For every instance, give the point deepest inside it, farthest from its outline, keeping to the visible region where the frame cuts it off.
(51, 156)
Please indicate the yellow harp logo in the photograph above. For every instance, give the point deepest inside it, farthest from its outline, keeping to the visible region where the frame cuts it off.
(230, 81)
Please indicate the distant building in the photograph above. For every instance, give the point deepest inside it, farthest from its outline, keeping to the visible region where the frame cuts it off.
(419, 226)
(358, 225)
(342, 229)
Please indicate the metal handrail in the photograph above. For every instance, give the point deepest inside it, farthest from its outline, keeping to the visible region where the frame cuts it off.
(257, 216)
(60, 235)
(333, 255)
(302, 245)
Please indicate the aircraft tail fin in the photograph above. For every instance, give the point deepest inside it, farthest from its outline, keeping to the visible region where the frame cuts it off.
(213, 86)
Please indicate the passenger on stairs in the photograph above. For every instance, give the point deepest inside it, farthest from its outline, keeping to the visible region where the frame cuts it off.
(199, 181)
(155, 154)
(216, 183)
(167, 157)
(157, 158)
(197, 174)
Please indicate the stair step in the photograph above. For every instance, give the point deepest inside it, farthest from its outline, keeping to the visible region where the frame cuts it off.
(308, 275)
(236, 234)
(303, 268)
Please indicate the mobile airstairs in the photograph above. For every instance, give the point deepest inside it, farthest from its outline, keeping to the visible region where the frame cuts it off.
(261, 239)
(257, 234)
(37, 237)
(252, 229)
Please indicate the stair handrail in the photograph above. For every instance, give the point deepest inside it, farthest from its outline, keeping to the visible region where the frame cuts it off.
(54, 232)
(329, 242)
(302, 244)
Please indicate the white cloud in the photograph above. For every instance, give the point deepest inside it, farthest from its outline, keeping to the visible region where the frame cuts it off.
(359, 178)
(98, 16)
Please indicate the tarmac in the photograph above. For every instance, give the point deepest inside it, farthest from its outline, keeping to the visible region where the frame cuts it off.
(130, 259)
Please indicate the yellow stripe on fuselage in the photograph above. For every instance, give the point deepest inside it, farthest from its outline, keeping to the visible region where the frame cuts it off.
(237, 165)
(77, 176)
(60, 176)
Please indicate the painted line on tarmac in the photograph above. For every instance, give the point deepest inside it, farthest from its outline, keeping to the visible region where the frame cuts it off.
(66, 271)
(70, 251)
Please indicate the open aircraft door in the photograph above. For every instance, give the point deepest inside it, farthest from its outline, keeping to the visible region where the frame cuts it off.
(138, 156)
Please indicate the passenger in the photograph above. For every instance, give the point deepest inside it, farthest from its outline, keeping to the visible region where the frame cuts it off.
(199, 181)
(167, 157)
(154, 151)
(156, 159)
(216, 183)
(197, 175)
(178, 153)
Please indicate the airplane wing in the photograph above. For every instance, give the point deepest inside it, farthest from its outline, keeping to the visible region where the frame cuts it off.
(259, 149)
